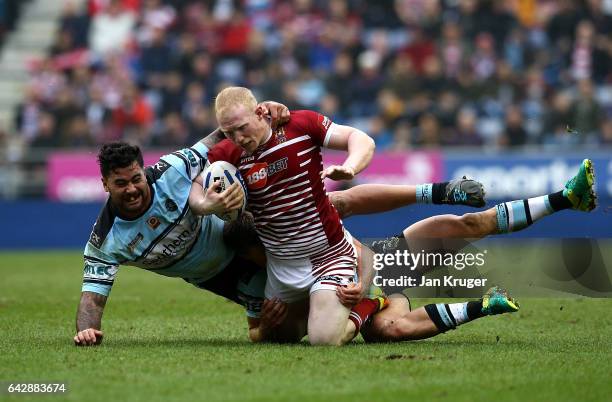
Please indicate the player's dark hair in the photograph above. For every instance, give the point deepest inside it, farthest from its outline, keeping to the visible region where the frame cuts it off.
(116, 155)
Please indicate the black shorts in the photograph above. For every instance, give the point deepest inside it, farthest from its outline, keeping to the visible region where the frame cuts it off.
(242, 282)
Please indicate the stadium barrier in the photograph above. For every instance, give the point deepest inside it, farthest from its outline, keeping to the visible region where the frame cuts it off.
(75, 195)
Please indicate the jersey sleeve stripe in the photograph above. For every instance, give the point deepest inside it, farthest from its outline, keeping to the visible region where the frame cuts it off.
(99, 281)
(306, 150)
(185, 161)
(330, 131)
(98, 260)
(202, 159)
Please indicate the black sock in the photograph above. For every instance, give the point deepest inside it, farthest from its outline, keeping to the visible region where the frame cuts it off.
(437, 192)
(474, 309)
(558, 201)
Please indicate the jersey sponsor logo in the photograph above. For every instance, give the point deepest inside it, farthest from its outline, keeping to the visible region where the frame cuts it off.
(257, 176)
(175, 244)
(170, 205)
(325, 122)
(98, 271)
(153, 222)
(132, 245)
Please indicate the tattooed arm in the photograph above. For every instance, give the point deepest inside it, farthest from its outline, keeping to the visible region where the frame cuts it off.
(213, 138)
(89, 319)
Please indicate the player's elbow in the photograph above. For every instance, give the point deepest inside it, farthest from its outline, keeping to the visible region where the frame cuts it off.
(368, 143)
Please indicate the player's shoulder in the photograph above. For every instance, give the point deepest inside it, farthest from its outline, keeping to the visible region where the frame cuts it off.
(308, 119)
(225, 150)
(187, 162)
(103, 225)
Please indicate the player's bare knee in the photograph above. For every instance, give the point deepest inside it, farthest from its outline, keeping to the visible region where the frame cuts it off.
(324, 338)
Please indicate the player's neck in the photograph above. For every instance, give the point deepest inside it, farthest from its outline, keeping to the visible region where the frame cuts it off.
(267, 136)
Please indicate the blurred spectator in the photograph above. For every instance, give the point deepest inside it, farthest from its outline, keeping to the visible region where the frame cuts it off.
(155, 16)
(111, 28)
(484, 60)
(172, 93)
(65, 109)
(76, 23)
(46, 135)
(428, 131)
(515, 134)
(27, 114)
(155, 59)
(452, 48)
(465, 133)
(98, 115)
(366, 84)
(402, 137)
(585, 112)
(77, 133)
(201, 123)
(340, 80)
(606, 132)
(419, 50)
(379, 131)
(134, 116)
(173, 133)
(588, 61)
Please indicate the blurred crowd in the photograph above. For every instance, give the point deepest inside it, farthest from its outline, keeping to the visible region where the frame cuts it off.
(411, 73)
(10, 11)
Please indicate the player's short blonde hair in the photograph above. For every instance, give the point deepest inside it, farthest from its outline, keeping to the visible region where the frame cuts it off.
(231, 97)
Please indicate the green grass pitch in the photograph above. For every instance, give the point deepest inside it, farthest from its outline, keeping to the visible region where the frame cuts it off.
(168, 341)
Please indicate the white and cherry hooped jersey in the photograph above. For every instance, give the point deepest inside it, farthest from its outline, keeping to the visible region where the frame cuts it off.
(293, 215)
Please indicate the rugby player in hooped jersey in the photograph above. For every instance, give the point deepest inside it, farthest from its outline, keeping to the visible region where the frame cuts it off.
(309, 253)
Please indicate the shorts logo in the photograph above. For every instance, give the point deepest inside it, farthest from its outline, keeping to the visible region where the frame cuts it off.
(95, 239)
(171, 205)
(132, 245)
(153, 222)
(257, 176)
(336, 280)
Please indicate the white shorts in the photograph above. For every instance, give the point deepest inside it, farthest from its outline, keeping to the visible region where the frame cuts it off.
(296, 279)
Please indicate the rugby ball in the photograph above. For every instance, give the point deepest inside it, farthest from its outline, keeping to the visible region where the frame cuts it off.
(226, 174)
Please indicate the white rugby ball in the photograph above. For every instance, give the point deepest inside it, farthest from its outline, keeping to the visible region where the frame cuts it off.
(226, 174)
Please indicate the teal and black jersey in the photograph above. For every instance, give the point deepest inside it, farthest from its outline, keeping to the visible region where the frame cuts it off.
(168, 239)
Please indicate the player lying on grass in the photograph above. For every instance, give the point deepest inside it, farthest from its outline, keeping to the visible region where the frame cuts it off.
(397, 322)
(146, 223)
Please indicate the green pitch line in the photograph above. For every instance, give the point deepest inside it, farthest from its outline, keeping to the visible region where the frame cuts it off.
(167, 341)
